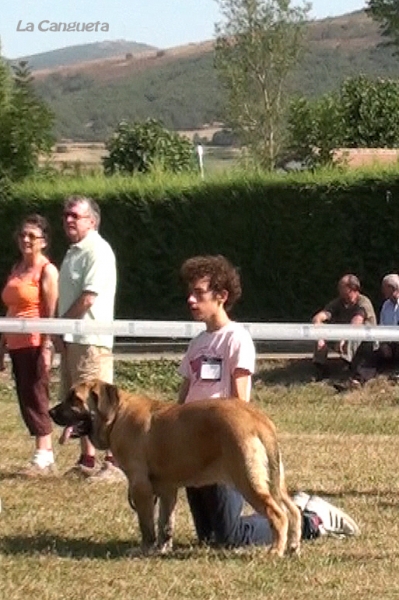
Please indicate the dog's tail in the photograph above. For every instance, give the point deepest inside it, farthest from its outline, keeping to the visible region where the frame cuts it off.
(276, 472)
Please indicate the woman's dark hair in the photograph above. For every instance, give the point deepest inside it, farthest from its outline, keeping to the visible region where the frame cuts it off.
(36, 221)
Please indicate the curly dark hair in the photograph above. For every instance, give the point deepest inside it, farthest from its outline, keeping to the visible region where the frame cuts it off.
(222, 275)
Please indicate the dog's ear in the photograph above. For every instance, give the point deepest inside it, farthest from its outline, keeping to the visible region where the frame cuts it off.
(106, 400)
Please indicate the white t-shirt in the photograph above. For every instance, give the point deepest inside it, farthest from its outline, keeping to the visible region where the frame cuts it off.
(212, 358)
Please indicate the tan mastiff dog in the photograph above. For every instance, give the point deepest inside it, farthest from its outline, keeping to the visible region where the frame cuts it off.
(162, 447)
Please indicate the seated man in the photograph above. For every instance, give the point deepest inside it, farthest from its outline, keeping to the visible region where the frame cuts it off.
(387, 353)
(349, 307)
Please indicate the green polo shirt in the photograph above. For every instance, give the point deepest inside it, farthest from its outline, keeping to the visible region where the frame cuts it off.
(89, 266)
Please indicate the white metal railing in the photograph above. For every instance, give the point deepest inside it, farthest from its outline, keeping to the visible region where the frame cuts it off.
(188, 329)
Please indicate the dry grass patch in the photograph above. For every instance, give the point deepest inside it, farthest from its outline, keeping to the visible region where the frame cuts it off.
(68, 540)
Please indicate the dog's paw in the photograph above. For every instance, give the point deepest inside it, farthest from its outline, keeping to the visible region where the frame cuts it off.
(294, 550)
(276, 551)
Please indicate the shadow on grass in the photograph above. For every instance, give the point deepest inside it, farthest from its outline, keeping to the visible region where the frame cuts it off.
(384, 498)
(295, 371)
(10, 475)
(302, 371)
(5, 475)
(48, 544)
(64, 547)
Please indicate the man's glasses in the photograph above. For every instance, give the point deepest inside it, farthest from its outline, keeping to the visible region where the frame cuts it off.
(32, 237)
(74, 215)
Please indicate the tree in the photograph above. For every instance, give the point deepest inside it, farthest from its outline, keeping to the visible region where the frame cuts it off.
(144, 146)
(363, 114)
(257, 46)
(370, 112)
(386, 13)
(25, 122)
(315, 130)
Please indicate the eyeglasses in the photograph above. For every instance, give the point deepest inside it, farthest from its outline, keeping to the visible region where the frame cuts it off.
(74, 215)
(32, 237)
(198, 293)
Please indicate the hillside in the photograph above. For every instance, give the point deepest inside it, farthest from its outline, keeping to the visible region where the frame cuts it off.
(179, 85)
(72, 55)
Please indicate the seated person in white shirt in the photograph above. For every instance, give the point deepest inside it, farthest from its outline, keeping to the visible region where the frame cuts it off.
(388, 352)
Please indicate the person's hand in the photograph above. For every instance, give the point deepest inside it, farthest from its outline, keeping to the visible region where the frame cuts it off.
(343, 347)
(321, 344)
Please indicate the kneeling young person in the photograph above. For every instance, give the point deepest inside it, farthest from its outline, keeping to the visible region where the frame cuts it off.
(219, 363)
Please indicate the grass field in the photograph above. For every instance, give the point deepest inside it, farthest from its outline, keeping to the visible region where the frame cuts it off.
(67, 540)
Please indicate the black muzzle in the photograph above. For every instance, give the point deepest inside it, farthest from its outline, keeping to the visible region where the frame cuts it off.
(65, 417)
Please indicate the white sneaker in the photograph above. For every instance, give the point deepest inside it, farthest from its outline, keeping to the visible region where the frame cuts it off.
(335, 522)
(301, 499)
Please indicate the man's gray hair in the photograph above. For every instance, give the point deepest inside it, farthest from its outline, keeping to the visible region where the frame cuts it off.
(392, 280)
(94, 208)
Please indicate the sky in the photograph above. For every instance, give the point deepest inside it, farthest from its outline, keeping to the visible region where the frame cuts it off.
(160, 23)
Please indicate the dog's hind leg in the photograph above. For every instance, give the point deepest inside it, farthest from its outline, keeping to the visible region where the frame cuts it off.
(258, 480)
(294, 521)
(260, 498)
(294, 516)
(166, 520)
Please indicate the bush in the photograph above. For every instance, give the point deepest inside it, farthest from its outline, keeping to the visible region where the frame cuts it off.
(142, 147)
(292, 236)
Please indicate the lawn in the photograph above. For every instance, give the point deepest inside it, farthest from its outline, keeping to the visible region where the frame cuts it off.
(67, 540)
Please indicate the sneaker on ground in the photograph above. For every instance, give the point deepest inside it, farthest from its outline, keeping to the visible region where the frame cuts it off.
(35, 470)
(108, 473)
(335, 522)
(347, 386)
(80, 471)
(301, 499)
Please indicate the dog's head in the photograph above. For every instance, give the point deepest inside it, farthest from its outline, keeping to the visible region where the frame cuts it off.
(89, 409)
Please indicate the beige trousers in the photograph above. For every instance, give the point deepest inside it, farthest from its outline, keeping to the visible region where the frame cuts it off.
(80, 362)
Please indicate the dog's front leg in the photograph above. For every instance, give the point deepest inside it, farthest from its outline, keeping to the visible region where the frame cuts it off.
(142, 496)
(166, 520)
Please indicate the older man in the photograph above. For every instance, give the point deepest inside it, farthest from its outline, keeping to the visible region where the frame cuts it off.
(349, 307)
(388, 352)
(87, 291)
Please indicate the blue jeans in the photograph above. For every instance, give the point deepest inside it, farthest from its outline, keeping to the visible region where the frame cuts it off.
(216, 510)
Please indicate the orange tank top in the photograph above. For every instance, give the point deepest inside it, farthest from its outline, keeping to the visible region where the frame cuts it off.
(21, 296)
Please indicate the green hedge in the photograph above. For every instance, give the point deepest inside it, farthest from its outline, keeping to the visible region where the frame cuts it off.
(292, 237)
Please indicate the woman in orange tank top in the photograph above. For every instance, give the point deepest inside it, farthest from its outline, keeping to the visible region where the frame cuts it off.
(31, 291)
